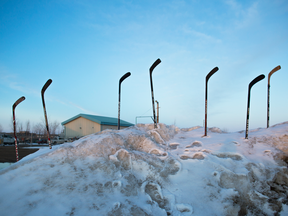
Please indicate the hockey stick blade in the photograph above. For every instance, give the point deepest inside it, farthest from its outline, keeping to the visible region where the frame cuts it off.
(257, 79)
(46, 86)
(158, 61)
(214, 70)
(18, 101)
(274, 70)
(124, 77)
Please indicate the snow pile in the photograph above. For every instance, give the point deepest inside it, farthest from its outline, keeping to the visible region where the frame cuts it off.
(147, 171)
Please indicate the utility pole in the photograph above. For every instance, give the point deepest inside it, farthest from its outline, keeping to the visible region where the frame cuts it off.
(157, 111)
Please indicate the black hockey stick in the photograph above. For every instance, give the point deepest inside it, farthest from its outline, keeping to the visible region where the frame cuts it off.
(268, 95)
(151, 70)
(257, 79)
(120, 81)
(45, 115)
(214, 70)
(14, 124)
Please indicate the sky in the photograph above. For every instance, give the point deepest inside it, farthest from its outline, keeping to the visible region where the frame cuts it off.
(86, 46)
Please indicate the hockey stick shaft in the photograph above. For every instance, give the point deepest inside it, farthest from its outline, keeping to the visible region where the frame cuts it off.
(214, 70)
(158, 61)
(268, 93)
(14, 124)
(44, 108)
(257, 79)
(119, 95)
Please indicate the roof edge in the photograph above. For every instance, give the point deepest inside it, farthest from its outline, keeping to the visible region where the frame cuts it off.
(103, 122)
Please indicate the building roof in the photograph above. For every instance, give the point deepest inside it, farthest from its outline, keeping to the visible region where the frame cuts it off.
(102, 120)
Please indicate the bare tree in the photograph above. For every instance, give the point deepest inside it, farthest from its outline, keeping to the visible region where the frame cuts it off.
(61, 130)
(53, 127)
(19, 126)
(38, 129)
(27, 126)
(11, 125)
(1, 129)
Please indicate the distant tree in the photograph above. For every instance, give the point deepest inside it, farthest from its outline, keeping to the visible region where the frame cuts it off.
(53, 127)
(1, 129)
(38, 129)
(61, 130)
(44, 129)
(11, 124)
(27, 126)
(19, 126)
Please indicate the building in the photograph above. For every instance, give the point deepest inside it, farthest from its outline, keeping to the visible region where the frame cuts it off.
(83, 124)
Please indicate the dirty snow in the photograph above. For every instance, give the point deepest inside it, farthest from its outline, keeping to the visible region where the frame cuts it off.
(145, 171)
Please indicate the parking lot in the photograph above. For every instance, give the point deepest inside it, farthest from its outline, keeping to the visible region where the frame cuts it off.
(7, 153)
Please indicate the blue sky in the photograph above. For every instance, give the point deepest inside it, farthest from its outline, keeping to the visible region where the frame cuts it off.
(86, 46)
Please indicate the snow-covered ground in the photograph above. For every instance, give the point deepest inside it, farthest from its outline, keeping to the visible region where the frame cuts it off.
(5, 164)
(147, 171)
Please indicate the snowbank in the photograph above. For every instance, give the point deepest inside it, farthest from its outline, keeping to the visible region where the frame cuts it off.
(145, 171)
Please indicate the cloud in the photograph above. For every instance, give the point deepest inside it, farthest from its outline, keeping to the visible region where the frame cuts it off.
(244, 16)
(69, 103)
(11, 80)
(83, 109)
(234, 6)
(23, 89)
(201, 36)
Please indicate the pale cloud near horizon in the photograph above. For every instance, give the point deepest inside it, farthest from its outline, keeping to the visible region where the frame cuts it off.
(69, 103)
(83, 109)
(8, 77)
(12, 81)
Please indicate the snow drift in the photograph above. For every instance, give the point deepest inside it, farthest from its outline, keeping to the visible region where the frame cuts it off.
(147, 171)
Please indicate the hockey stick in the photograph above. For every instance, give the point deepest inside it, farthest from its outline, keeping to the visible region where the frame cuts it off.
(14, 124)
(45, 115)
(257, 79)
(268, 94)
(120, 81)
(214, 70)
(158, 61)
(157, 111)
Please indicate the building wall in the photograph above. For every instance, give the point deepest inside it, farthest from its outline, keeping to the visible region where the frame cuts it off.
(113, 127)
(81, 127)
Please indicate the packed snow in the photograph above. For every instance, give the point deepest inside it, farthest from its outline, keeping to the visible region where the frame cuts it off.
(145, 171)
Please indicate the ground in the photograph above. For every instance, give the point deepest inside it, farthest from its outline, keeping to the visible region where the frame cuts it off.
(145, 171)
